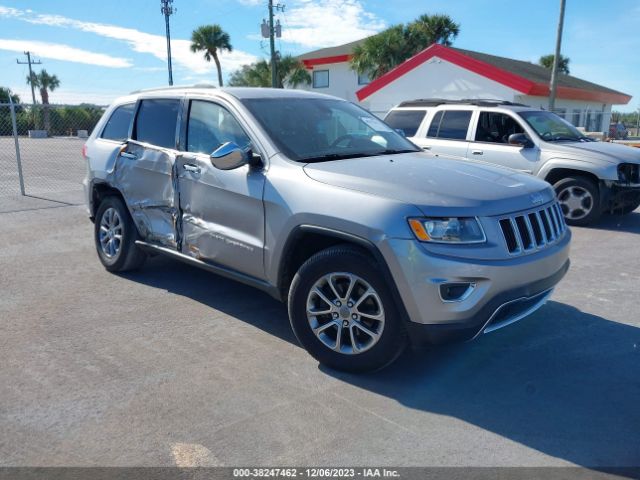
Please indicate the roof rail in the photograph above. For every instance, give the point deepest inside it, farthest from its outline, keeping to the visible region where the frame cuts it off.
(434, 102)
(174, 87)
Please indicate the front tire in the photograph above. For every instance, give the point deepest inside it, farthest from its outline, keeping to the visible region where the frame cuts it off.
(579, 198)
(115, 235)
(342, 312)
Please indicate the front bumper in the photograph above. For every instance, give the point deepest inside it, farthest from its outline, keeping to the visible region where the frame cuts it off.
(619, 195)
(504, 289)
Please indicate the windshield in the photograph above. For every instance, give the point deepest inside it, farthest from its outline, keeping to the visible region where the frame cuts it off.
(552, 128)
(318, 129)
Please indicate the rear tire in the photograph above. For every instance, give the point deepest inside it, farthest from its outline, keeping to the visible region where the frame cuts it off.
(579, 198)
(115, 235)
(342, 312)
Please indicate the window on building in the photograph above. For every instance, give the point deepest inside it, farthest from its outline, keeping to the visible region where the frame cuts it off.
(575, 118)
(363, 79)
(117, 127)
(406, 120)
(211, 125)
(156, 122)
(450, 124)
(320, 78)
(496, 127)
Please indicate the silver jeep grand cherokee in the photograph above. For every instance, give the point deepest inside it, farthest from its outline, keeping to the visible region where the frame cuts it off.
(371, 242)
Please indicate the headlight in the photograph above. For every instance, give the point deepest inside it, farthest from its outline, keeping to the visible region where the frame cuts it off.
(448, 230)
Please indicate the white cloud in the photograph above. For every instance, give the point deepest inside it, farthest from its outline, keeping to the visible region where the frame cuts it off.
(313, 24)
(140, 42)
(59, 51)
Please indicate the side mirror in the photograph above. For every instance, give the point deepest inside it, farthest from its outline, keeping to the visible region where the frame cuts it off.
(520, 139)
(229, 156)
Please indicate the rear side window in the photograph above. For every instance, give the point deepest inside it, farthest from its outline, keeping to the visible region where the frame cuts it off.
(117, 127)
(450, 124)
(156, 122)
(406, 120)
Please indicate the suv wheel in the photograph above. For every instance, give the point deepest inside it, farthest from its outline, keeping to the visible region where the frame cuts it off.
(115, 236)
(342, 312)
(579, 198)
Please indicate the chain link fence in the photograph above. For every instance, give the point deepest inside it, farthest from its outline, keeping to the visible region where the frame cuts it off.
(41, 150)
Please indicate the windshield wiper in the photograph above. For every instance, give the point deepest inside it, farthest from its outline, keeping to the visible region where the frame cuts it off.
(333, 156)
(342, 156)
(560, 138)
(391, 151)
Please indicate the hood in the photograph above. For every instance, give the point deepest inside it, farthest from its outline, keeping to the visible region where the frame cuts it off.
(603, 151)
(439, 187)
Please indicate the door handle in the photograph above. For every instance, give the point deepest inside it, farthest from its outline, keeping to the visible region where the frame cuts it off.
(426, 148)
(477, 152)
(131, 156)
(191, 168)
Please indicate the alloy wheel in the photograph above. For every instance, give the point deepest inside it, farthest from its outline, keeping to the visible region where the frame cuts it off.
(345, 313)
(110, 232)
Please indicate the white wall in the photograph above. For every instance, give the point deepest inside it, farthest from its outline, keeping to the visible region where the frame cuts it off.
(436, 78)
(343, 82)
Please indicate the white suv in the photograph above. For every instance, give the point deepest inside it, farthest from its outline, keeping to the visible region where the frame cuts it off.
(589, 177)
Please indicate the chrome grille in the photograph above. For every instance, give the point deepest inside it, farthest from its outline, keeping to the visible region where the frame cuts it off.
(533, 230)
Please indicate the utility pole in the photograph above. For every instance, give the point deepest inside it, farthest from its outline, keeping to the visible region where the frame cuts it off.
(30, 62)
(274, 30)
(168, 10)
(556, 59)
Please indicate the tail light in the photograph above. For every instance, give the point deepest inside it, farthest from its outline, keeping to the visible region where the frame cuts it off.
(84, 151)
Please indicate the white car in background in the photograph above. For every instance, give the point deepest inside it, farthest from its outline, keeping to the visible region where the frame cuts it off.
(589, 177)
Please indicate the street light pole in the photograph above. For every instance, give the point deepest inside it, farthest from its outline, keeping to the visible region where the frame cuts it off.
(167, 10)
(556, 59)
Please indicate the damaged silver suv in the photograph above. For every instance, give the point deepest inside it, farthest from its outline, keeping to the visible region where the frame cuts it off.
(371, 242)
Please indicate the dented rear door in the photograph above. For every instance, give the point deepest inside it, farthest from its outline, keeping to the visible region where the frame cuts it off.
(145, 176)
(145, 171)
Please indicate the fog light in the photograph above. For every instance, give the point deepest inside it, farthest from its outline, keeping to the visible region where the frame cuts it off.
(456, 292)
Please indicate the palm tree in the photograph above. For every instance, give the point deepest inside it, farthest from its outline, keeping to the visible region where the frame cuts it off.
(290, 72)
(45, 83)
(429, 29)
(546, 61)
(382, 52)
(211, 39)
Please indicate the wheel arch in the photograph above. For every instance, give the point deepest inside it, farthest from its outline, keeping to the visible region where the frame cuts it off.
(99, 191)
(558, 173)
(307, 240)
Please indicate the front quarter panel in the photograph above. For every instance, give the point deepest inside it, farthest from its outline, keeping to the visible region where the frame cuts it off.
(292, 199)
(604, 171)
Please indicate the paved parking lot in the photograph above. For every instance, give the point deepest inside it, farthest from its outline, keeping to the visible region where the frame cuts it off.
(174, 366)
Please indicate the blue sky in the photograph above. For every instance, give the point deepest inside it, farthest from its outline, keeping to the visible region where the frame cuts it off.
(103, 49)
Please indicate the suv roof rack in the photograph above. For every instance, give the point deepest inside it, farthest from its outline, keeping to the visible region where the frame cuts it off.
(434, 102)
(174, 87)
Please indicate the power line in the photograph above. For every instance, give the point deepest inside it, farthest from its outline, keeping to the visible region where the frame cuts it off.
(31, 76)
(167, 10)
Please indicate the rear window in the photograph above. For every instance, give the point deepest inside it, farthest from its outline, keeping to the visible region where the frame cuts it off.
(450, 124)
(117, 127)
(156, 122)
(406, 120)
